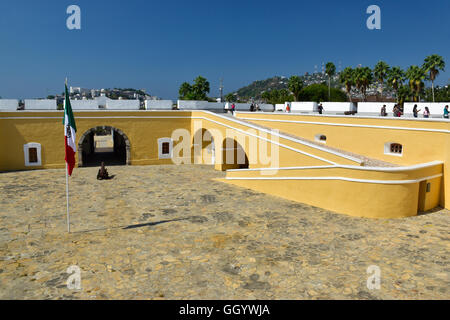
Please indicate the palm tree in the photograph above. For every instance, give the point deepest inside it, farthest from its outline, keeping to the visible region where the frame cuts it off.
(416, 76)
(380, 72)
(433, 64)
(403, 92)
(295, 84)
(395, 78)
(330, 70)
(185, 90)
(346, 78)
(363, 78)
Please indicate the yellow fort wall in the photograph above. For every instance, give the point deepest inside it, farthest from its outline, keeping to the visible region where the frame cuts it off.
(142, 129)
(422, 140)
(357, 191)
(320, 177)
(291, 152)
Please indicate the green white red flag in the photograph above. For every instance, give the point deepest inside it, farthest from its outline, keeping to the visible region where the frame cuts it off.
(70, 130)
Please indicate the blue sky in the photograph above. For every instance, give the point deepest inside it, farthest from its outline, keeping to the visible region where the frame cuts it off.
(157, 45)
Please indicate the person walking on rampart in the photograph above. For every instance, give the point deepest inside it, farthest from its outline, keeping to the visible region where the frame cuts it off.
(415, 111)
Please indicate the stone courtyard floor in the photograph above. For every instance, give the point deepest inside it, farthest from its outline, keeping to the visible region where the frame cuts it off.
(173, 232)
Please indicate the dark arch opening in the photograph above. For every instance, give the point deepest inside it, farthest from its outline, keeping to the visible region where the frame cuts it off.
(233, 155)
(103, 143)
(203, 147)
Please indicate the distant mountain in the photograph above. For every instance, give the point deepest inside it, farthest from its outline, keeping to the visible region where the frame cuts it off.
(256, 88)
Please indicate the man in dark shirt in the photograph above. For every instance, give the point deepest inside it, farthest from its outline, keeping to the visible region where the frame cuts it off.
(102, 173)
(320, 107)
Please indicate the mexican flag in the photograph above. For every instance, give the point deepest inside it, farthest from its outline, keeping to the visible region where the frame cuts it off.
(70, 130)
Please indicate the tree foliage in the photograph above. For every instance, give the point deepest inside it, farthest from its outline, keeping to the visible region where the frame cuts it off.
(230, 98)
(433, 64)
(277, 96)
(347, 79)
(196, 91)
(330, 69)
(295, 84)
(416, 76)
(319, 92)
(363, 77)
(380, 71)
(395, 78)
(441, 94)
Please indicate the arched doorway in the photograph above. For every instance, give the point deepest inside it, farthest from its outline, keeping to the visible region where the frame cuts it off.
(103, 143)
(233, 155)
(204, 150)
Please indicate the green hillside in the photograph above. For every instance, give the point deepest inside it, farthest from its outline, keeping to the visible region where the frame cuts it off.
(256, 88)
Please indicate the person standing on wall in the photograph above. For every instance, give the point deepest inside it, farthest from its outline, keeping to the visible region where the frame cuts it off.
(233, 108)
(426, 113)
(320, 107)
(415, 111)
(383, 111)
(446, 112)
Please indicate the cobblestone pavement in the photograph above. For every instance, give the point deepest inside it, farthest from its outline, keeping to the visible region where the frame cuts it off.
(173, 232)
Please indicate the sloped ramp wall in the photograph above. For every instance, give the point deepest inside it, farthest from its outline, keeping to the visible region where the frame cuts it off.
(355, 191)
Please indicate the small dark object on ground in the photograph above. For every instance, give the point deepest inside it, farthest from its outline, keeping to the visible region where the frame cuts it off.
(103, 173)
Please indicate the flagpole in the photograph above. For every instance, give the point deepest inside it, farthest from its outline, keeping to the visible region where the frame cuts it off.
(67, 178)
(67, 200)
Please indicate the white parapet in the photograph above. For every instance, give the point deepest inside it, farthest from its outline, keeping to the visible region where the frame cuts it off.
(374, 108)
(280, 107)
(9, 104)
(122, 104)
(246, 106)
(240, 106)
(436, 108)
(302, 106)
(338, 107)
(266, 107)
(84, 104)
(102, 100)
(40, 104)
(158, 104)
(199, 105)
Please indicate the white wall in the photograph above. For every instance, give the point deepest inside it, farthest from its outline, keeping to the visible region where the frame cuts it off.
(298, 106)
(158, 104)
(266, 107)
(44, 104)
(199, 105)
(280, 106)
(84, 104)
(101, 101)
(246, 106)
(338, 107)
(374, 108)
(240, 106)
(122, 104)
(9, 104)
(436, 108)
